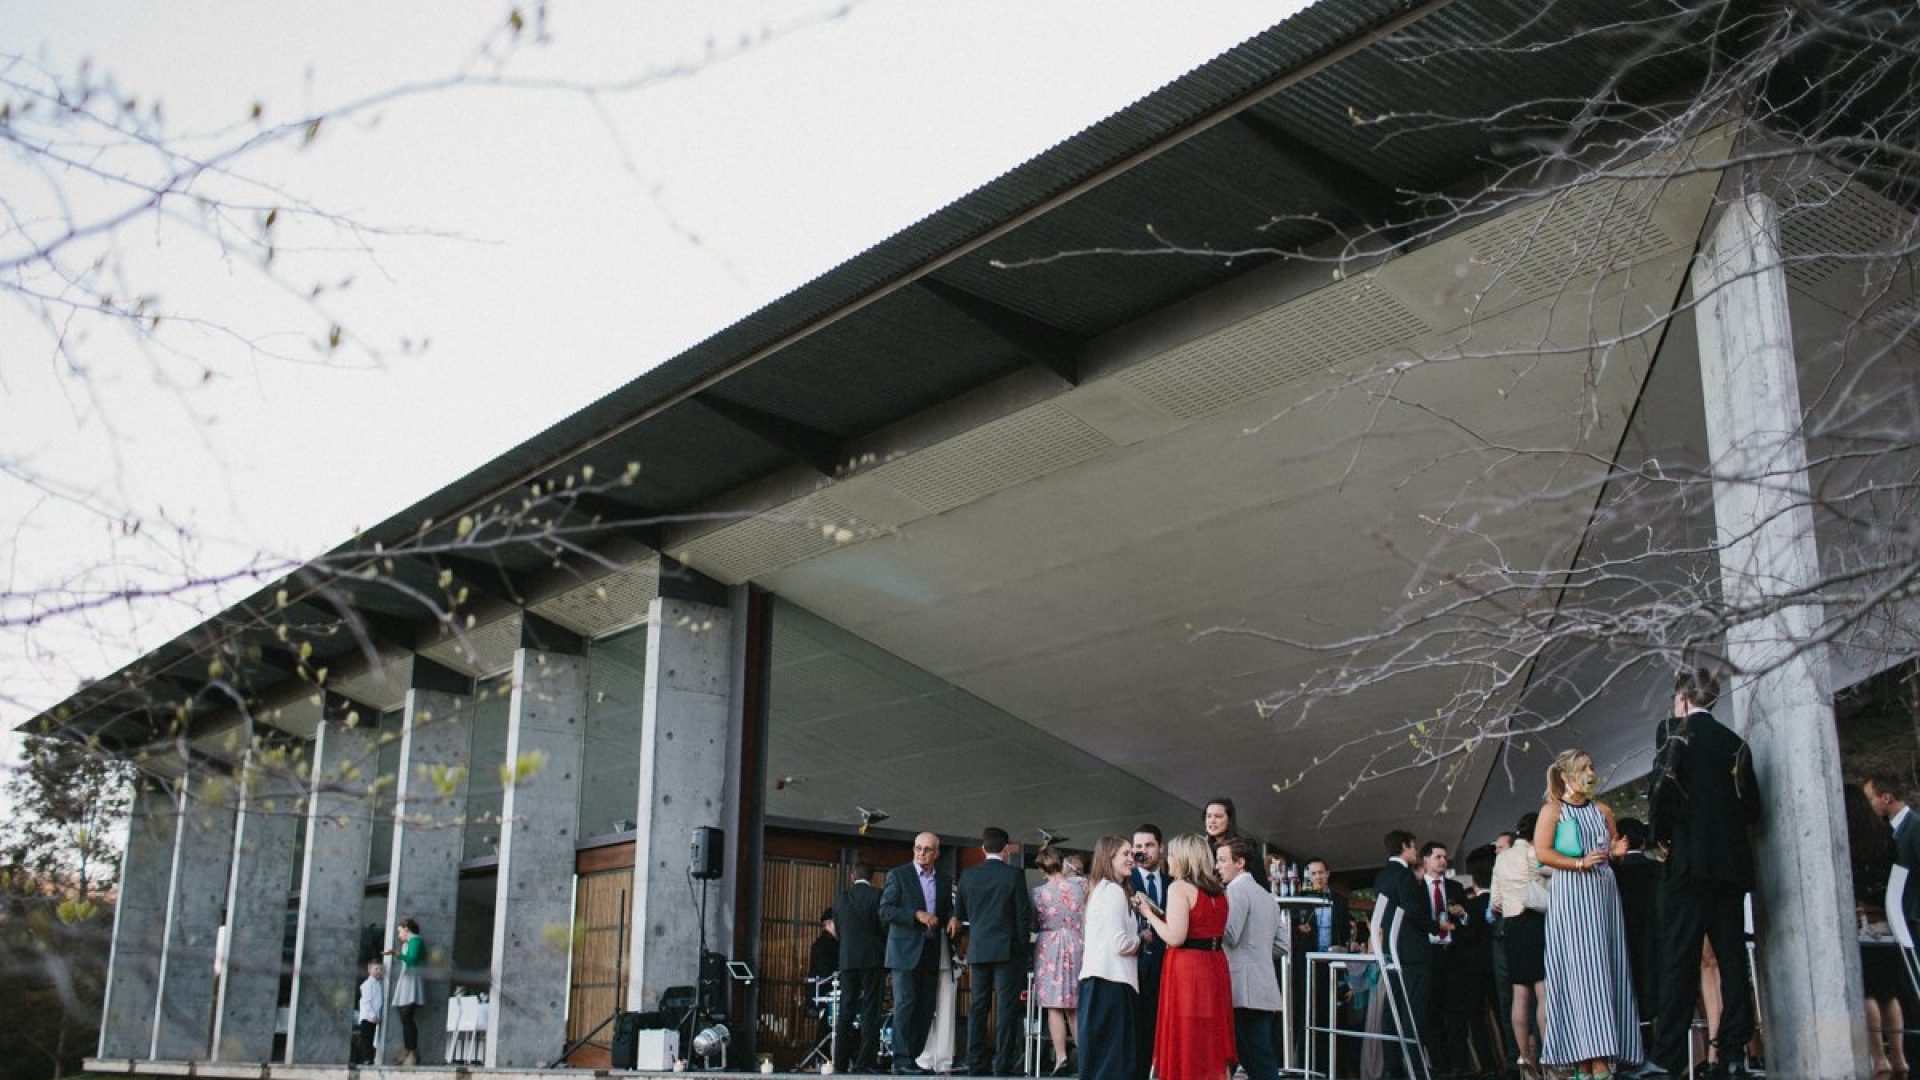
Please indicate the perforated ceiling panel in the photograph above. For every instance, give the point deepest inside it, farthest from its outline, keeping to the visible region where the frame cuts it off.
(1593, 229)
(1315, 333)
(600, 607)
(993, 457)
(1826, 224)
(485, 650)
(382, 685)
(775, 538)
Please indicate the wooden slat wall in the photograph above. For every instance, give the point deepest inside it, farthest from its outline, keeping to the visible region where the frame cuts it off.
(602, 906)
(794, 893)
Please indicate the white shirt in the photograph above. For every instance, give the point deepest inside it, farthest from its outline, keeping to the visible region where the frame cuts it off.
(370, 1003)
(1894, 822)
(1111, 943)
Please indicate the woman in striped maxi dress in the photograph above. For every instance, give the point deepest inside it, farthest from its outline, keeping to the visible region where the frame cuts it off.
(1591, 1018)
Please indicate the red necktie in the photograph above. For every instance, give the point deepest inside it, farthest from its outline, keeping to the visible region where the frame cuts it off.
(1439, 908)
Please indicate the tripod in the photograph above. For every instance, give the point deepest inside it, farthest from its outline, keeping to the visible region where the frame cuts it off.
(827, 1050)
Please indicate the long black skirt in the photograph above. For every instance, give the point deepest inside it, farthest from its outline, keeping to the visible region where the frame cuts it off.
(1107, 1042)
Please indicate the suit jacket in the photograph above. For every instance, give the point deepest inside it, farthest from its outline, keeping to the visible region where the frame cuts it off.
(1704, 799)
(900, 901)
(994, 903)
(1152, 949)
(1638, 876)
(1467, 933)
(1252, 920)
(1906, 852)
(1402, 889)
(856, 916)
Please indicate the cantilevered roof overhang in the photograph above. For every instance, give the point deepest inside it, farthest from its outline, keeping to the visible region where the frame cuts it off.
(1280, 152)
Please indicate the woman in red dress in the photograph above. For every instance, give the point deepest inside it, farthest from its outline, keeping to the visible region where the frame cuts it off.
(1194, 1037)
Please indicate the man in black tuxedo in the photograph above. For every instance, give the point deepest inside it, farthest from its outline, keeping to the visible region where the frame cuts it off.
(1149, 880)
(918, 898)
(993, 902)
(1638, 876)
(1399, 884)
(863, 944)
(1703, 801)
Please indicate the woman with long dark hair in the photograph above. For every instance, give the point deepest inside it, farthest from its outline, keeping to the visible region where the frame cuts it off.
(407, 955)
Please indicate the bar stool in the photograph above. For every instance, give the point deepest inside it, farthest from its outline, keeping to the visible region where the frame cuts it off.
(1392, 983)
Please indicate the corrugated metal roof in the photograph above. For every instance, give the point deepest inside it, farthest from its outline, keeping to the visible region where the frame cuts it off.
(859, 347)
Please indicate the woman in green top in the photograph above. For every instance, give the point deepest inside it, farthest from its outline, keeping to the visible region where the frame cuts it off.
(405, 985)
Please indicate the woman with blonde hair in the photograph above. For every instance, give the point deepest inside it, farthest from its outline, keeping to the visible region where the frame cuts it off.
(1592, 1021)
(1109, 965)
(1193, 1039)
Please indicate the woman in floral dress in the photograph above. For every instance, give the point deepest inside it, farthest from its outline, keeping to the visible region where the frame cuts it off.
(1059, 913)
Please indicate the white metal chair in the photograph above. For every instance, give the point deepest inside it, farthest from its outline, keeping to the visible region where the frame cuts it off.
(1391, 983)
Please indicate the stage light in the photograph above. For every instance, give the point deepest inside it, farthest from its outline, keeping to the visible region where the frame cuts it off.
(711, 1040)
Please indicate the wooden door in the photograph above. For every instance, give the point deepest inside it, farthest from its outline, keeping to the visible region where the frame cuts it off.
(602, 907)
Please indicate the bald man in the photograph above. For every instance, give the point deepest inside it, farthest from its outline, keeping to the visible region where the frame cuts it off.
(916, 902)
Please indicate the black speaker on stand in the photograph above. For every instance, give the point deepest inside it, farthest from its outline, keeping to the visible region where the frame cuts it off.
(703, 865)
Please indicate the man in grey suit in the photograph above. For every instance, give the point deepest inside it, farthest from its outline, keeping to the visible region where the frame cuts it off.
(1252, 921)
(916, 900)
(994, 903)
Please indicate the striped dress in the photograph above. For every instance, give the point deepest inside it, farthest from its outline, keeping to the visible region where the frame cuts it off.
(1590, 1009)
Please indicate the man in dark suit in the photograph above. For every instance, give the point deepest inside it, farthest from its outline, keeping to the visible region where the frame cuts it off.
(1703, 801)
(1398, 883)
(1638, 876)
(918, 898)
(1149, 880)
(863, 945)
(993, 902)
(1889, 800)
(1443, 1028)
(1315, 929)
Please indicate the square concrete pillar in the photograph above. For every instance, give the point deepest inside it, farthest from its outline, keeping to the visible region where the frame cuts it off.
(533, 904)
(333, 880)
(429, 841)
(1782, 701)
(139, 923)
(196, 908)
(684, 760)
(265, 831)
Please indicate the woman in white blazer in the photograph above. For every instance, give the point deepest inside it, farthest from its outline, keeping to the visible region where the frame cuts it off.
(1252, 921)
(1109, 966)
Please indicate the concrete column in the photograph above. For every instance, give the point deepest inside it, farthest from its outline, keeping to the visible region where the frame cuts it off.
(683, 778)
(333, 880)
(196, 902)
(139, 923)
(429, 840)
(264, 834)
(1781, 701)
(533, 904)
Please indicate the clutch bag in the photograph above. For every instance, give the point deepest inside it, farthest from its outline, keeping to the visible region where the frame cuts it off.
(1566, 838)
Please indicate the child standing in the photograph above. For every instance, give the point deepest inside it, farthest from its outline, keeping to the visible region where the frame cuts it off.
(367, 1017)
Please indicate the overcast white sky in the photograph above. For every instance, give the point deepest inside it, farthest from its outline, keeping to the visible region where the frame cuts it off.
(548, 245)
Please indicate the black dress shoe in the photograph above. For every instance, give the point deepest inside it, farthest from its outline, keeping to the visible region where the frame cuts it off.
(910, 1070)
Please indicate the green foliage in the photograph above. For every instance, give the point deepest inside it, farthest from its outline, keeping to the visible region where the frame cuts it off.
(53, 967)
(69, 802)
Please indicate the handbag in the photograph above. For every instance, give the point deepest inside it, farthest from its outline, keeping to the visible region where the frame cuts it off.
(1566, 838)
(1538, 896)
